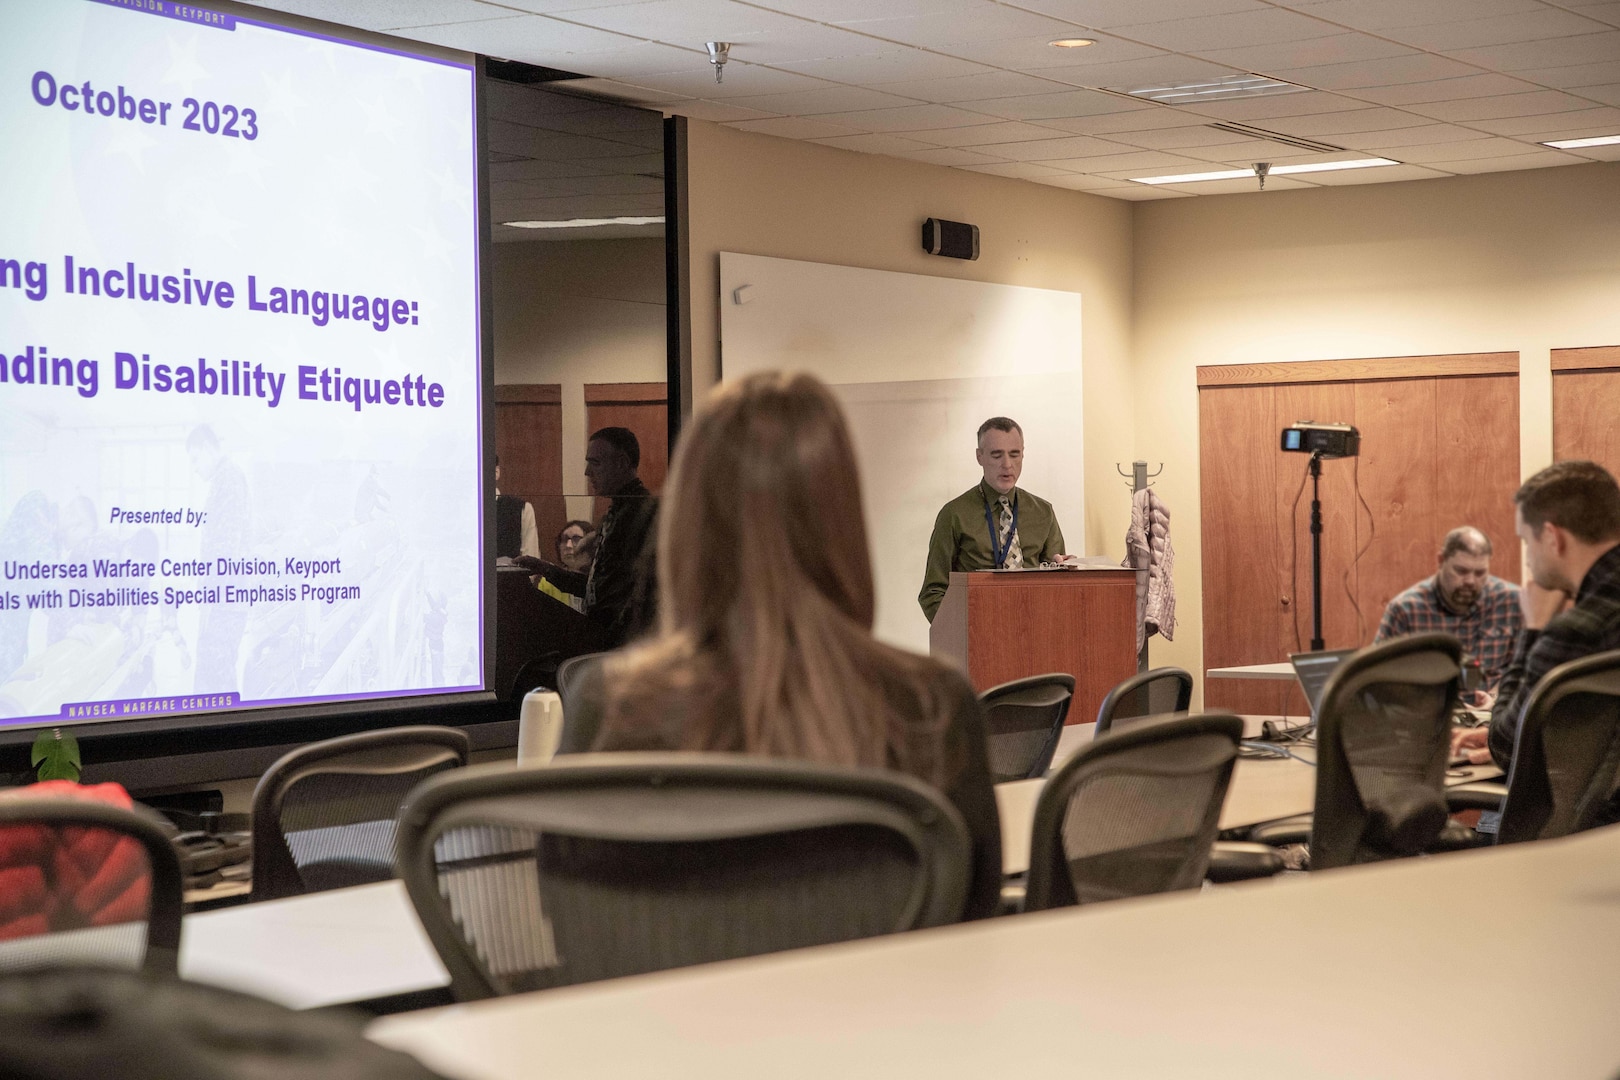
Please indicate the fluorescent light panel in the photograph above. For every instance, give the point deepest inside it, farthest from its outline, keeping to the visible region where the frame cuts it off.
(584, 222)
(1227, 86)
(1576, 144)
(1276, 170)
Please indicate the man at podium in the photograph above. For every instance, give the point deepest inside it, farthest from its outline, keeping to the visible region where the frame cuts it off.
(994, 525)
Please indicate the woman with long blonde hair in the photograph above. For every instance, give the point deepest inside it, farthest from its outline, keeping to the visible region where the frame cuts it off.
(766, 601)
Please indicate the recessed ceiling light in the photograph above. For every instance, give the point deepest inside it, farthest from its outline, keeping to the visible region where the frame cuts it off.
(1227, 86)
(1276, 170)
(1072, 43)
(1576, 144)
(584, 222)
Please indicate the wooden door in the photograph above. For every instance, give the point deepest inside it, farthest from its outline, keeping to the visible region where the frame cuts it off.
(1586, 406)
(1439, 448)
(644, 409)
(528, 440)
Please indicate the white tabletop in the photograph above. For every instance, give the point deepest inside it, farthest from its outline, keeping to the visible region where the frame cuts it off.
(327, 948)
(1350, 973)
(1283, 671)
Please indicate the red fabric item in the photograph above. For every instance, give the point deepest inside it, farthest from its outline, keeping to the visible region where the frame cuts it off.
(73, 877)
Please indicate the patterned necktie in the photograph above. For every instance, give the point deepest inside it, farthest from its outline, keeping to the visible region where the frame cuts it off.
(1008, 536)
(603, 530)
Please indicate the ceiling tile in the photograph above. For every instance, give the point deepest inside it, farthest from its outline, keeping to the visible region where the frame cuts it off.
(1469, 86)
(1524, 55)
(1399, 140)
(1178, 138)
(741, 80)
(717, 112)
(1337, 49)
(1537, 103)
(1229, 31)
(1464, 150)
(908, 118)
(1151, 160)
(1327, 125)
(1243, 154)
(1239, 186)
(793, 127)
(984, 134)
(1262, 109)
(550, 7)
(1609, 94)
(875, 143)
(1110, 13)
(1019, 170)
(639, 59)
(897, 63)
(1388, 175)
(1420, 67)
(1474, 32)
(1604, 121)
(387, 14)
(1603, 10)
(533, 39)
(833, 11)
(947, 155)
(1139, 118)
(965, 24)
(1532, 160)
(992, 84)
(1573, 76)
(1057, 149)
(1383, 15)
(1135, 74)
(1036, 52)
(1048, 106)
(827, 99)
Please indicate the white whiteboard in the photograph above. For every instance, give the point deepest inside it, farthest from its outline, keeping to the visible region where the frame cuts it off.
(918, 363)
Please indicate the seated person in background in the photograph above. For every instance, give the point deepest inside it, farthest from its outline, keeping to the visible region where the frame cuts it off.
(1568, 516)
(515, 531)
(1463, 599)
(569, 544)
(612, 586)
(766, 600)
(1026, 530)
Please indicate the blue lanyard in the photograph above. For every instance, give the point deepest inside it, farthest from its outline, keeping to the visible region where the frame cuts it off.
(996, 550)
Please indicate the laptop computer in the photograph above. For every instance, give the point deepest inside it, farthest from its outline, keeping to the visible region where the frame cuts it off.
(1313, 669)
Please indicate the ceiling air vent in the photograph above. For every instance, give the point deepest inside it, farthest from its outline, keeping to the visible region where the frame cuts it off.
(1278, 137)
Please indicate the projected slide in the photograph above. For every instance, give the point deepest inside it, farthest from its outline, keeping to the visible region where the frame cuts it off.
(239, 367)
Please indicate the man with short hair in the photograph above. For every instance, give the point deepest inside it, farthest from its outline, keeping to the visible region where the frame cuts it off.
(995, 525)
(1568, 516)
(1465, 599)
(618, 588)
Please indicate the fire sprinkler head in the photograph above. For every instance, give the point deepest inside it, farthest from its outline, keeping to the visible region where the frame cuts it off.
(719, 52)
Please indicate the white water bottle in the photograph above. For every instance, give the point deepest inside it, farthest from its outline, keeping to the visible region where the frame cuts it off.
(540, 726)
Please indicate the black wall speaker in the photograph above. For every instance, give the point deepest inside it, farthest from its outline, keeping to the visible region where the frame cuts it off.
(952, 239)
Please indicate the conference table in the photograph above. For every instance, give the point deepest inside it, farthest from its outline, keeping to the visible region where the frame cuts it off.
(365, 944)
(1497, 962)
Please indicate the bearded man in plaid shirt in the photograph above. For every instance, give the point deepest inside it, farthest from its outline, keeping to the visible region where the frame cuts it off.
(1462, 599)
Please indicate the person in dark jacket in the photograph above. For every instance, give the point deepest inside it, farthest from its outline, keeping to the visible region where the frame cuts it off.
(766, 600)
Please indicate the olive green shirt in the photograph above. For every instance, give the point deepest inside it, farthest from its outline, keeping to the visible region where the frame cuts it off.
(961, 539)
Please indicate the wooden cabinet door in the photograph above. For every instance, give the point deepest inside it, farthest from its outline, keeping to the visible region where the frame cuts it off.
(644, 409)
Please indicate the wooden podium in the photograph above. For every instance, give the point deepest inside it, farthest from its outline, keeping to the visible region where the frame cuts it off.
(996, 627)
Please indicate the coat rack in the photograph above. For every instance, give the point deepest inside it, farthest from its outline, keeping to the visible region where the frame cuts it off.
(1140, 478)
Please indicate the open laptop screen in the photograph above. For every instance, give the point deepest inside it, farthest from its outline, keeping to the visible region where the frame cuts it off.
(1313, 669)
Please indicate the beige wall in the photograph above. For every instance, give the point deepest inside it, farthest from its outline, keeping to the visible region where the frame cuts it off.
(1520, 261)
(576, 312)
(760, 195)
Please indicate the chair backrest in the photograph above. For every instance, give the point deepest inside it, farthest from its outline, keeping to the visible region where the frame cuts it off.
(1383, 738)
(600, 865)
(1023, 720)
(1132, 814)
(1567, 758)
(1159, 692)
(579, 685)
(323, 815)
(83, 882)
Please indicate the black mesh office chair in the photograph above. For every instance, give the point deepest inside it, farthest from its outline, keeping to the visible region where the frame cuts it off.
(579, 685)
(1023, 719)
(1566, 761)
(86, 883)
(1158, 692)
(323, 815)
(1383, 739)
(602, 865)
(1132, 814)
